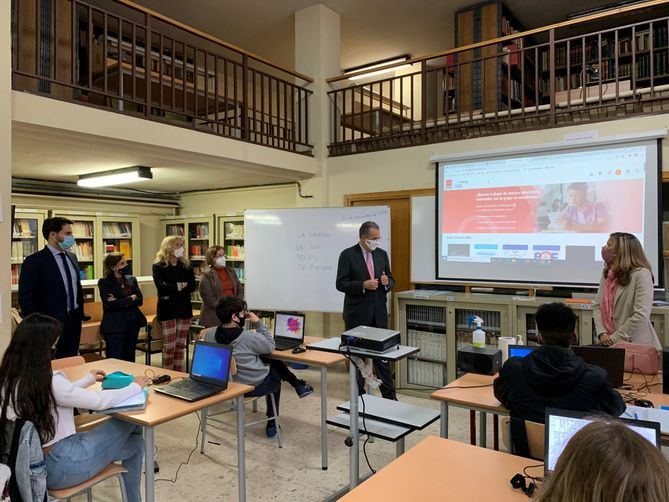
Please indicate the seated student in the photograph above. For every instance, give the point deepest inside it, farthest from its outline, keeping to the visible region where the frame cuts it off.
(608, 462)
(247, 348)
(48, 399)
(553, 376)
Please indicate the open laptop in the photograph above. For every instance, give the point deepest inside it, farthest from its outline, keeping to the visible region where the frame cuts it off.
(612, 360)
(561, 425)
(520, 350)
(288, 330)
(209, 373)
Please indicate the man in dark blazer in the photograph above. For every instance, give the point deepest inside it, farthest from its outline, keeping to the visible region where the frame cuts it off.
(363, 275)
(50, 284)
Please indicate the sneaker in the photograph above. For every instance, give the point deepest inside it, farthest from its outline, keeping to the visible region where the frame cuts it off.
(270, 430)
(303, 389)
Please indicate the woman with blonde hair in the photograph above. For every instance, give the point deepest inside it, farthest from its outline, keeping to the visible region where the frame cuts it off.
(608, 462)
(216, 282)
(625, 296)
(175, 281)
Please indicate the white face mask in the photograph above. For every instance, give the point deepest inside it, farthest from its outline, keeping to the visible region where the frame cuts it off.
(220, 262)
(372, 244)
(179, 252)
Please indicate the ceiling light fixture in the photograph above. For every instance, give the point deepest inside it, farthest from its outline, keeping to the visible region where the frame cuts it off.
(115, 177)
(378, 64)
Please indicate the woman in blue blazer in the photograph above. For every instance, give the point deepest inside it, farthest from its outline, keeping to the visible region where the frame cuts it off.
(121, 299)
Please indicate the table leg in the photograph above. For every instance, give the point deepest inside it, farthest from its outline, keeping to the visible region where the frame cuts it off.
(495, 432)
(472, 427)
(324, 416)
(241, 460)
(149, 475)
(399, 447)
(444, 419)
(354, 469)
(483, 429)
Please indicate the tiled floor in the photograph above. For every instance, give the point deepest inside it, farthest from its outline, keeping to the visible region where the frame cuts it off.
(292, 473)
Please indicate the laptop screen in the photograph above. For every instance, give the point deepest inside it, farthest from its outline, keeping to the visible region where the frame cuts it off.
(520, 350)
(289, 325)
(211, 361)
(562, 425)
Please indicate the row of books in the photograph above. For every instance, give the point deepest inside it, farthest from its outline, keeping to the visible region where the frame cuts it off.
(84, 251)
(86, 272)
(16, 270)
(24, 227)
(175, 229)
(241, 275)
(234, 251)
(234, 230)
(21, 249)
(82, 229)
(198, 249)
(198, 231)
(116, 229)
(119, 246)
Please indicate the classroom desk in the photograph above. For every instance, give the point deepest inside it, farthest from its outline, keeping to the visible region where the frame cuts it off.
(474, 392)
(323, 360)
(445, 470)
(161, 408)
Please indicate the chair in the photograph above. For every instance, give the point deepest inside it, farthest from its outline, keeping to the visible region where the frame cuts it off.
(91, 340)
(536, 440)
(152, 343)
(67, 362)
(112, 470)
(247, 400)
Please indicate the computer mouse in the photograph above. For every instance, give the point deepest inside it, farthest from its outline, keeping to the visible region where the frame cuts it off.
(299, 350)
(162, 379)
(643, 403)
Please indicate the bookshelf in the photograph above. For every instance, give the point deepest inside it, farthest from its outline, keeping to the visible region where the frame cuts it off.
(198, 234)
(118, 234)
(84, 229)
(231, 229)
(26, 238)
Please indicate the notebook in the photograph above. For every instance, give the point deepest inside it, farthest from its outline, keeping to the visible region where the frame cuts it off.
(288, 330)
(209, 373)
(133, 403)
(561, 425)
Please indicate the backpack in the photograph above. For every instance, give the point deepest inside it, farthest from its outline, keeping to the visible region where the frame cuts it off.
(22, 453)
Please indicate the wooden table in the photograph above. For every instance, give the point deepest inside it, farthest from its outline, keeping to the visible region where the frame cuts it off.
(474, 392)
(445, 470)
(161, 408)
(323, 360)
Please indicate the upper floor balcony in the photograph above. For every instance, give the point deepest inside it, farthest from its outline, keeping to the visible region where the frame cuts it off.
(604, 66)
(129, 59)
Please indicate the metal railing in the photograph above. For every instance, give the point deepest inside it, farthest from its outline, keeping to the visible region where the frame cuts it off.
(517, 82)
(138, 62)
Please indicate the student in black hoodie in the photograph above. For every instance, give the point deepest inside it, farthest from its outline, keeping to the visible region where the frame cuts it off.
(552, 376)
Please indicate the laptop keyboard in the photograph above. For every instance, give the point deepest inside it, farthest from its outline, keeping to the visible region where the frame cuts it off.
(193, 386)
(279, 345)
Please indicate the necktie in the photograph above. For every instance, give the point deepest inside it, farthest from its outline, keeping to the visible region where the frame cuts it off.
(68, 285)
(370, 264)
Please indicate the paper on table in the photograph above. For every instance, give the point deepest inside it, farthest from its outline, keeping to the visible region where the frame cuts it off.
(133, 403)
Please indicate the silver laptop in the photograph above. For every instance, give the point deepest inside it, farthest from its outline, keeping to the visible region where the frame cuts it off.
(288, 330)
(209, 373)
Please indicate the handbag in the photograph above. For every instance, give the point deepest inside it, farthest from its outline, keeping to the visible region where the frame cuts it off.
(639, 358)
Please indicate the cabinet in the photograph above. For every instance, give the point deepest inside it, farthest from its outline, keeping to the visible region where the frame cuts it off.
(26, 237)
(231, 237)
(120, 234)
(198, 234)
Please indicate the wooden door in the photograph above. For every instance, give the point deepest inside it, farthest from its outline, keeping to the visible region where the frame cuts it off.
(400, 231)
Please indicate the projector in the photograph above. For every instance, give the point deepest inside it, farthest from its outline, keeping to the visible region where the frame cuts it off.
(372, 339)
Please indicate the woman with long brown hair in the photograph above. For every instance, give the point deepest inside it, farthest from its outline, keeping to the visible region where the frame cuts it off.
(625, 296)
(608, 462)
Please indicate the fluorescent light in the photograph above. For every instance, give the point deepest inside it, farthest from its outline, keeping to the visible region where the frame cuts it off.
(115, 177)
(378, 65)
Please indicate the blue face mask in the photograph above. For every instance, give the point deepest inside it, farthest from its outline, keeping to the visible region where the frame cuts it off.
(68, 242)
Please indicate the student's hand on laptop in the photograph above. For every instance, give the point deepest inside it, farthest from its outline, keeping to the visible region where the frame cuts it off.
(99, 375)
(252, 317)
(141, 380)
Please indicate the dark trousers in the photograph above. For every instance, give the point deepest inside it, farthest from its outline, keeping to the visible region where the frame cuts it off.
(285, 374)
(68, 342)
(270, 385)
(383, 371)
(122, 344)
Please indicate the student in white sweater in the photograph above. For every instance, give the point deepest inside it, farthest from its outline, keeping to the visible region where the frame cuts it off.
(48, 399)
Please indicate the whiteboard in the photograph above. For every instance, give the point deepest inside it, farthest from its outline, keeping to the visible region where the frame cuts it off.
(291, 255)
(423, 247)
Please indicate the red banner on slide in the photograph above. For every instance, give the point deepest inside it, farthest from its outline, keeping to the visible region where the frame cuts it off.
(491, 210)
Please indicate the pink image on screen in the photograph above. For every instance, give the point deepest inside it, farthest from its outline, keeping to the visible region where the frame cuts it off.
(293, 325)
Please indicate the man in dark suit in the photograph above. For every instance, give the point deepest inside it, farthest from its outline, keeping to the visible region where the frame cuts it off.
(363, 275)
(50, 284)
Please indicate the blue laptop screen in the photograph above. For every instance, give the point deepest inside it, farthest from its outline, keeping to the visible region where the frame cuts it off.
(210, 361)
(519, 351)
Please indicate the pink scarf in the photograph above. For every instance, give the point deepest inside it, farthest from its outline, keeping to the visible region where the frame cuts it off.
(608, 298)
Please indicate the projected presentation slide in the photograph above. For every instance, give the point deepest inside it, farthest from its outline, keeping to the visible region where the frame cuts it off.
(544, 217)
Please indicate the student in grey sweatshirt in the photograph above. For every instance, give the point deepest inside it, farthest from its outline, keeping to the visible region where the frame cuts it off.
(248, 347)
